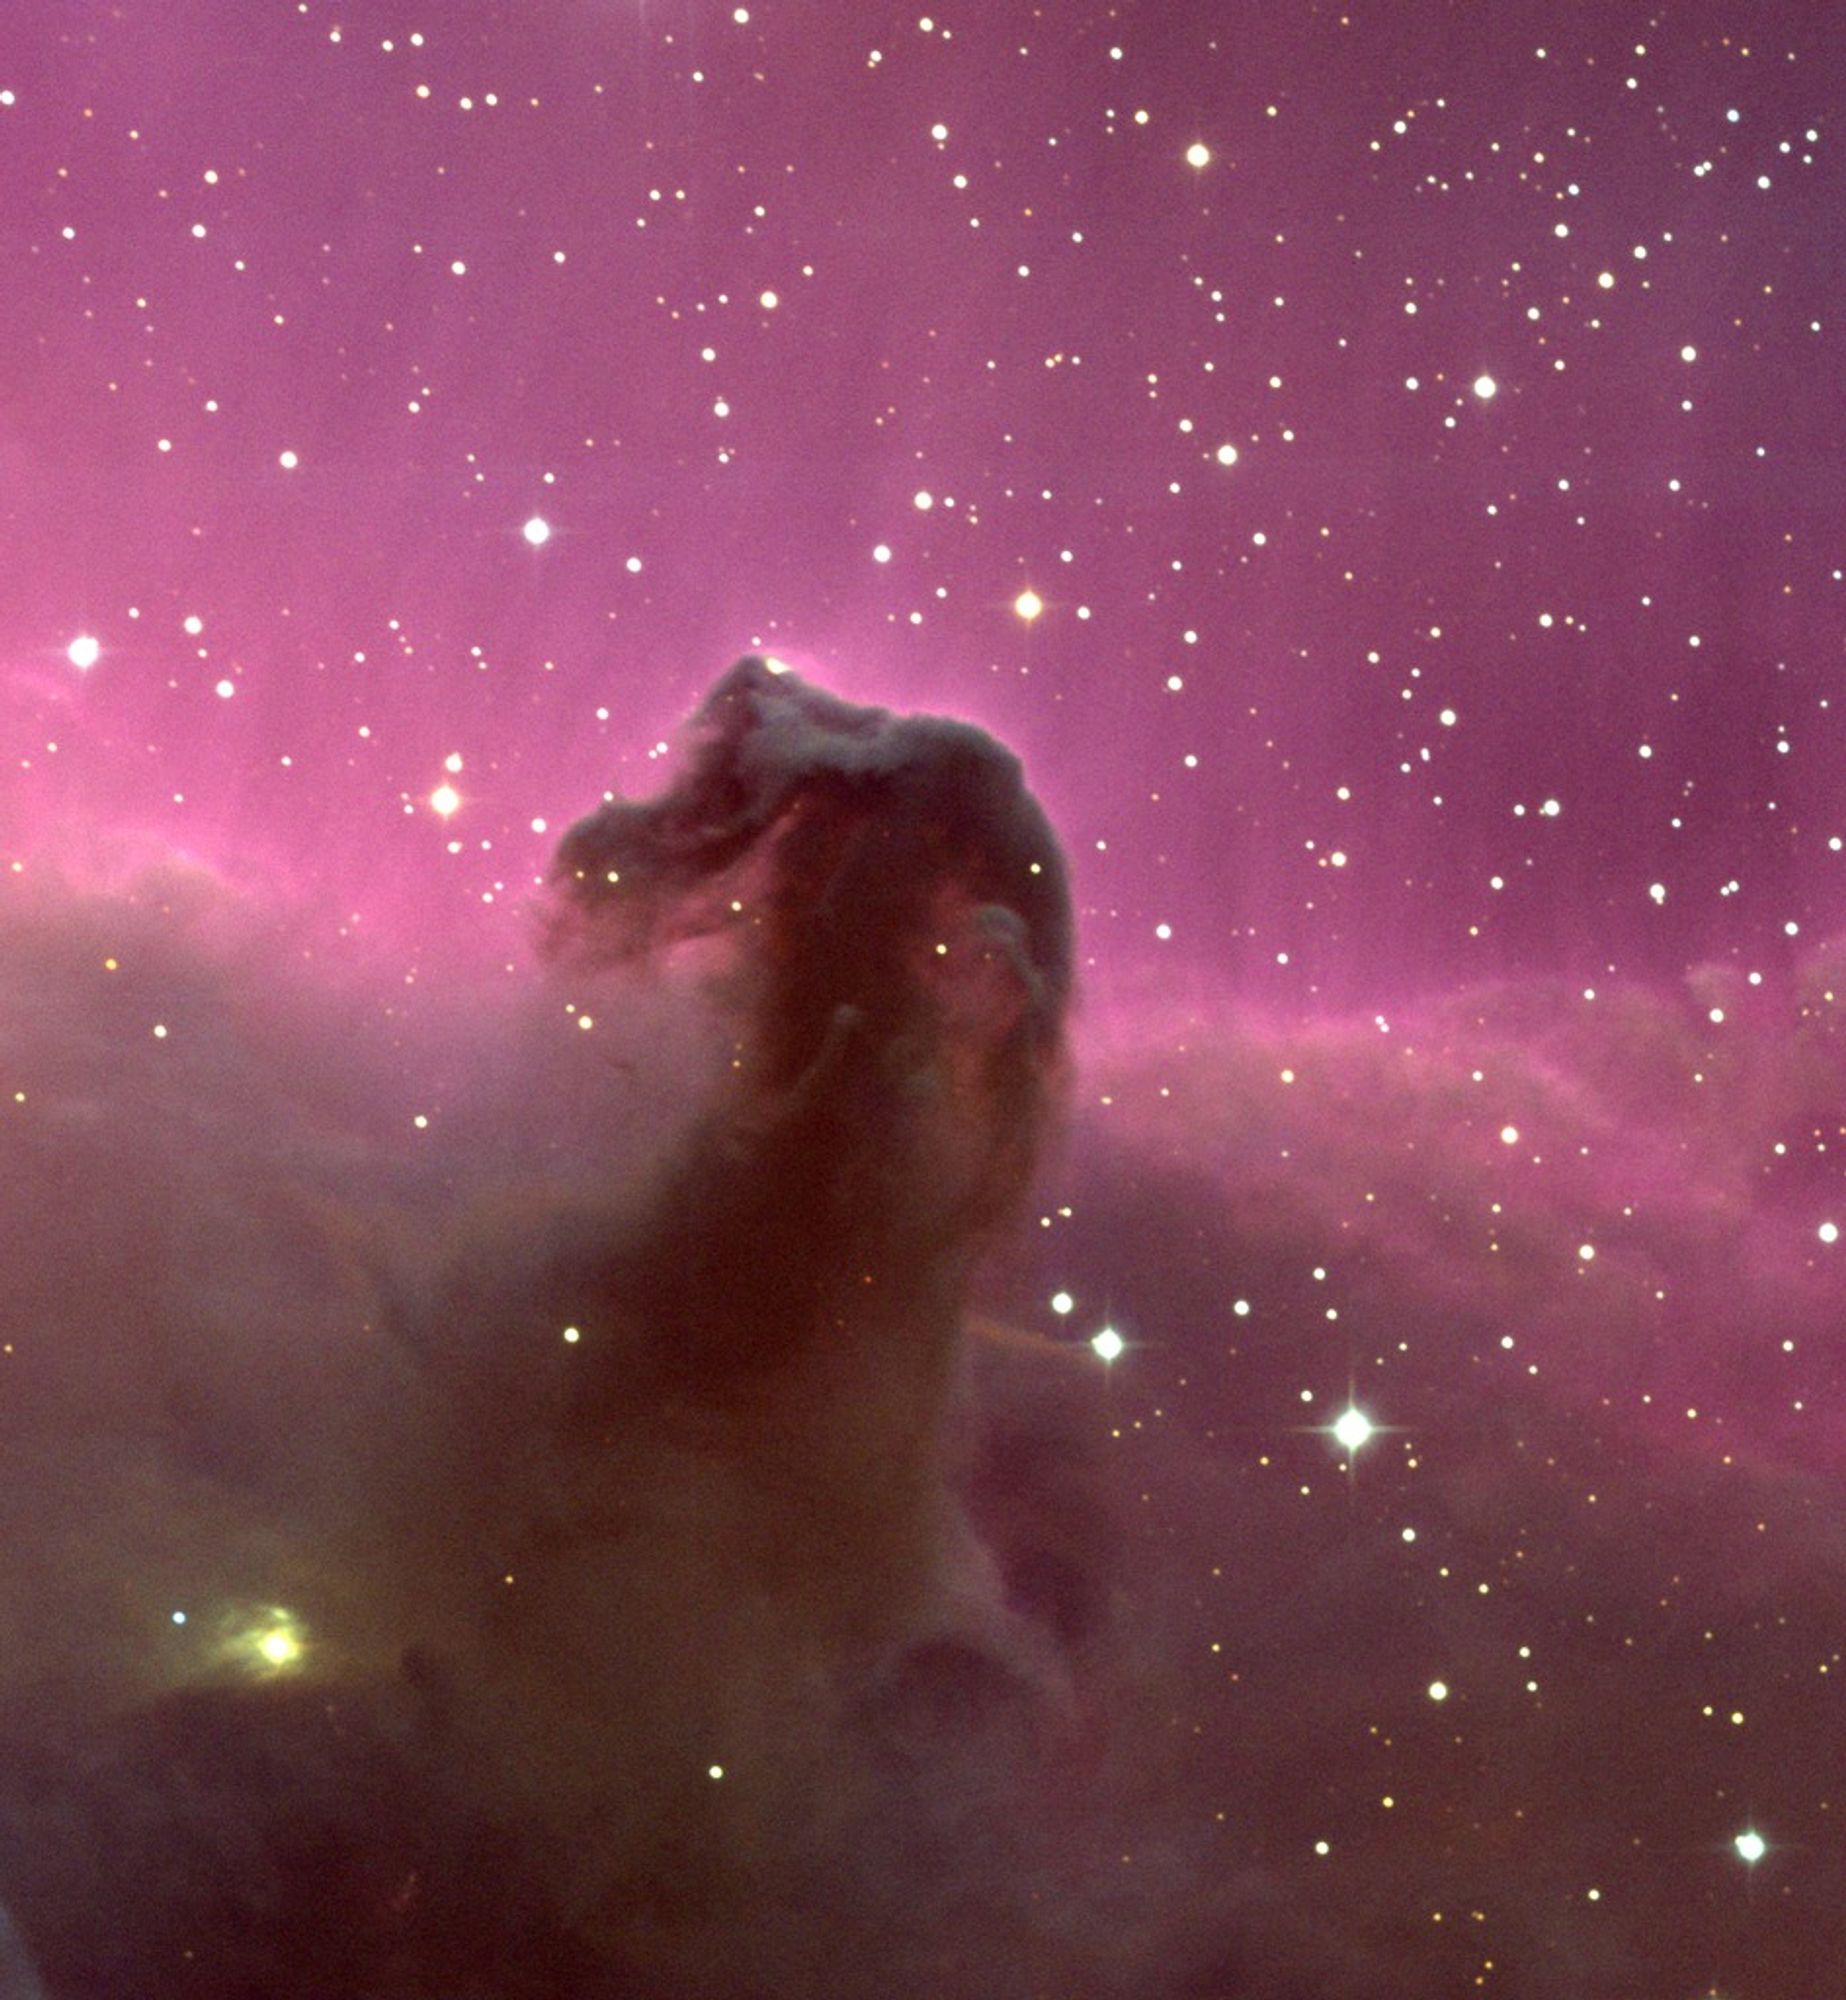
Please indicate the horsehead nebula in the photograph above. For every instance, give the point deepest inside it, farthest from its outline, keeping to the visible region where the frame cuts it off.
(588, 1597)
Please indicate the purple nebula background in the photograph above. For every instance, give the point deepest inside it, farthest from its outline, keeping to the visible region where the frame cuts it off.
(1379, 469)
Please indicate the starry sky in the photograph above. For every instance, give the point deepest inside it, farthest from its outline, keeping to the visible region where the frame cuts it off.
(1378, 468)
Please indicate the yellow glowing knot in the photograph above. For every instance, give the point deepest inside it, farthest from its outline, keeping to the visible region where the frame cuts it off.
(276, 1643)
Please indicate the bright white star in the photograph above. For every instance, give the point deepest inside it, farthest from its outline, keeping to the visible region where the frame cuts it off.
(1352, 1428)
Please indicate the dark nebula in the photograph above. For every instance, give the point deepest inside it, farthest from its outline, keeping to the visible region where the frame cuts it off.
(633, 1633)
(634, 1546)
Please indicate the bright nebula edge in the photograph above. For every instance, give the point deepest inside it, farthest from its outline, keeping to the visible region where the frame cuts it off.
(921, 963)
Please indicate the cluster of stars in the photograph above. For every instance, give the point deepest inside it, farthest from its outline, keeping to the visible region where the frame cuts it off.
(1371, 479)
